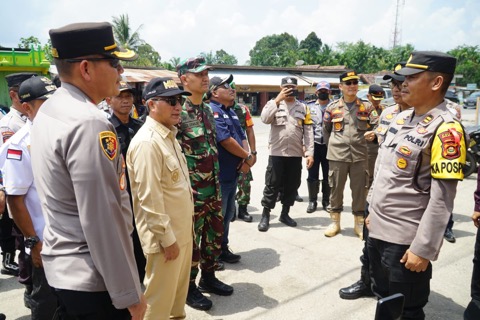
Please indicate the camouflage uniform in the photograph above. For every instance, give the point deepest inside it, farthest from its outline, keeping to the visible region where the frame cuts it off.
(196, 136)
(244, 179)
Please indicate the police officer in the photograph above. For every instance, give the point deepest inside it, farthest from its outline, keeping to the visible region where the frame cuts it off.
(345, 122)
(126, 127)
(23, 201)
(85, 196)
(361, 288)
(375, 95)
(290, 130)
(9, 124)
(418, 167)
(197, 137)
(317, 109)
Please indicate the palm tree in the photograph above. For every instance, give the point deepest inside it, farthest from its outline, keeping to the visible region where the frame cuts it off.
(123, 33)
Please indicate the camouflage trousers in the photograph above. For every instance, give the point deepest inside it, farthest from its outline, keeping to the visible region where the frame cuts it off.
(208, 227)
(244, 187)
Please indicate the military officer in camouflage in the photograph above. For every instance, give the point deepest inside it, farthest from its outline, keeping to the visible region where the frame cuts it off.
(244, 179)
(196, 135)
(344, 124)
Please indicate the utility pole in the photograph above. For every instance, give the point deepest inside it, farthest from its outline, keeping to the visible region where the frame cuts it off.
(397, 28)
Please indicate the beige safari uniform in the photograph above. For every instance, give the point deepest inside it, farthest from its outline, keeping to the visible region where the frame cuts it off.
(79, 172)
(416, 175)
(343, 131)
(163, 207)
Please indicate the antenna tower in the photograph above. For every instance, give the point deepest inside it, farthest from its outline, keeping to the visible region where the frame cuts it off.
(397, 28)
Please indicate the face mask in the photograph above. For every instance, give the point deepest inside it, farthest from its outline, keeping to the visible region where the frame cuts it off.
(322, 95)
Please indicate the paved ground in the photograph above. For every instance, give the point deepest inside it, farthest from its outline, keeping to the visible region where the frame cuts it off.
(295, 273)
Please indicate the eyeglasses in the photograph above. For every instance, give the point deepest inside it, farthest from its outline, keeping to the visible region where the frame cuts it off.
(351, 82)
(114, 63)
(394, 84)
(171, 100)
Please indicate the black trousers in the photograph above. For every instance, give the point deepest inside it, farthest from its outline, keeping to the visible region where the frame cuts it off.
(7, 240)
(319, 158)
(364, 259)
(41, 298)
(80, 305)
(473, 309)
(282, 172)
(389, 276)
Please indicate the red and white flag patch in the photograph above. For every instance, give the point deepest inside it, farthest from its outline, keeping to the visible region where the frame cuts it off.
(14, 154)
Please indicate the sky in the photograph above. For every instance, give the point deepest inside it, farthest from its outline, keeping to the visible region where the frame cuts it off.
(185, 28)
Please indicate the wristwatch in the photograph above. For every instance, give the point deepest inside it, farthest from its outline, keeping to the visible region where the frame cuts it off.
(254, 153)
(30, 242)
(248, 157)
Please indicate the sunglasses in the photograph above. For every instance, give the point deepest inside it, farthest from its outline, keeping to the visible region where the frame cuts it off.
(232, 85)
(114, 63)
(394, 84)
(351, 82)
(224, 85)
(171, 100)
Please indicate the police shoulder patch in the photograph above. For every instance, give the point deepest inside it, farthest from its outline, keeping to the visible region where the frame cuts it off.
(108, 143)
(448, 152)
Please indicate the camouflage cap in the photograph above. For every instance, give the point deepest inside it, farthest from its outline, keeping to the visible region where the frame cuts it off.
(193, 65)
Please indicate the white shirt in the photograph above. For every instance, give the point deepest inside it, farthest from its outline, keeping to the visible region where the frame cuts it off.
(16, 167)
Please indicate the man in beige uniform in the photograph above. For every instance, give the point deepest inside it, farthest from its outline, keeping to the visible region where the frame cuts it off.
(418, 167)
(290, 130)
(345, 122)
(162, 201)
(87, 252)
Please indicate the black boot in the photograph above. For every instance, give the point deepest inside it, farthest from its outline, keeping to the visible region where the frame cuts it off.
(285, 218)
(325, 194)
(265, 221)
(9, 266)
(210, 283)
(228, 256)
(243, 214)
(298, 198)
(196, 300)
(312, 195)
(355, 291)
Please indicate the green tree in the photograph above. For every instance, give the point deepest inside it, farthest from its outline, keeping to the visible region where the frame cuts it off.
(468, 64)
(209, 57)
(147, 57)
(222, 57)
(276, 50)
(174, 61)
(123, 32)
(309, 49)
(27, 43)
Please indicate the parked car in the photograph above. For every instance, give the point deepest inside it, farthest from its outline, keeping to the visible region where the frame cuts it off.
(452, 96)
(471, 100)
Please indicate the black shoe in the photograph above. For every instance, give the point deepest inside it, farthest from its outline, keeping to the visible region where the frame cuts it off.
(210, 283)
(312, 206)
(285, 218)
(449, 236)
(2, 316)
(355, 291)
(265, 221)
(298, 198)
(228, 256)
(243, 214)
(219, 266)
(196, 300)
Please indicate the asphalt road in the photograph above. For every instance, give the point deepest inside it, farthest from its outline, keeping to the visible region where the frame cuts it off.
(295, 273)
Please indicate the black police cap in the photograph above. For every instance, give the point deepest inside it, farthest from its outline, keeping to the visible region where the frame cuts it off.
(434, 61)
(16, 79)
(36, 88)
(83, 39)
(289, 81)
(350, 75)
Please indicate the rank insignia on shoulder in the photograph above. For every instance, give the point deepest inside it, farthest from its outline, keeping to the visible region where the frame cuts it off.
(14, 154)
(108, 143)
(427, 119)
(361, 108)
(389, 116)
(400, 121)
